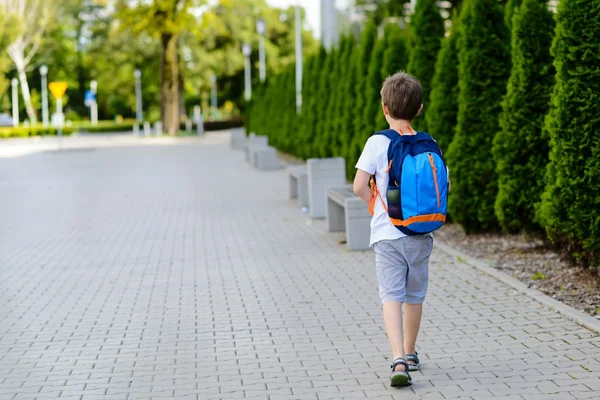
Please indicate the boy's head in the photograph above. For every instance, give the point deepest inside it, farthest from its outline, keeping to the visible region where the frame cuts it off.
(401, 96)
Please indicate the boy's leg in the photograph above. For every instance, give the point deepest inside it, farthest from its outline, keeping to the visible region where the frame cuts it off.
(392, 316)
(412, 324)
(417, 250)
(391, 273)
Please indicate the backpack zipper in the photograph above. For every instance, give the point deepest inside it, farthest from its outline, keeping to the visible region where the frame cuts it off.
(435, 181)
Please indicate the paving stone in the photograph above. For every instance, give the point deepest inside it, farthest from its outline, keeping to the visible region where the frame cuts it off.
(146, 272)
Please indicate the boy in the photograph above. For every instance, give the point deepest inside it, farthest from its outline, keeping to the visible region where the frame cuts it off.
(401, 261)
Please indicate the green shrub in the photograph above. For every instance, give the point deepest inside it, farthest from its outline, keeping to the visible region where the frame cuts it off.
(443, 100)
(427, 31)
(510, 9)
(342, 88)
(372, 107)
(570, 209)
(105, 128)
(330, 80)
(363, 61)
(348, 97)
(28, 131)
(520, 150)
(395, 59)
(482, 74)
(310, 106)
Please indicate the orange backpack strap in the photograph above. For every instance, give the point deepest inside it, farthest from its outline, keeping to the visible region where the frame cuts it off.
(374, 195)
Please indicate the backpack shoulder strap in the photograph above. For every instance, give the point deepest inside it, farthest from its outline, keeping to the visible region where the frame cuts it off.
(388, 133)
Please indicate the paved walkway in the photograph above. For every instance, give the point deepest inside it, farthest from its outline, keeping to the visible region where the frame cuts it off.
(179, 272)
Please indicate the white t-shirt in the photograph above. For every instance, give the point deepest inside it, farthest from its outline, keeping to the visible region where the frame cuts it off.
(374, 161)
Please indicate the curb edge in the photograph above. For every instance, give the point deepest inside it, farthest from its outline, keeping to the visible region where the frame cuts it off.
(569, 312)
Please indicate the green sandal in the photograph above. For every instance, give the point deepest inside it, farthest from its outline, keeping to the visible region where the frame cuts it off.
(414, 358)
(400, 378)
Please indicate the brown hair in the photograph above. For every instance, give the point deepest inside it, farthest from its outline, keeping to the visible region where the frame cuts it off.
(403, 95)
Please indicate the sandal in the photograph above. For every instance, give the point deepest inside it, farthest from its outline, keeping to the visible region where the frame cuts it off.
(400, 378)
(415, 359)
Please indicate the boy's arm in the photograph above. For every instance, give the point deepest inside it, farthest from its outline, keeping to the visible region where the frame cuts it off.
(361, 185)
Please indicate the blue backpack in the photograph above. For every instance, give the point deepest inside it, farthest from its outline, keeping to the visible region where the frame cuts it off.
(417, 193)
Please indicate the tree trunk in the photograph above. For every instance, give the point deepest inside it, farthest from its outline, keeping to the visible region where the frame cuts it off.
(169, 102)
(26, 96)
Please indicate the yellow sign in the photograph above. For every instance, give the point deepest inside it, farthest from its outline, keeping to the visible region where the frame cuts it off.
(58, 89)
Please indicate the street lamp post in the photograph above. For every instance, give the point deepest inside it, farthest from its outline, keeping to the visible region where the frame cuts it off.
(213, 95)
(247, 50)
(298, 59)
(260, 27)
(94, 103)
(138, 96)
(45, 115)
(15, 101)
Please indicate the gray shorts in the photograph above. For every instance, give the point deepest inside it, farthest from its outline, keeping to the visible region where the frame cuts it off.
(403, 268)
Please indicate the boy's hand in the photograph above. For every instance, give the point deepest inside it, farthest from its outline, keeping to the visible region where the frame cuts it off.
(361, 185)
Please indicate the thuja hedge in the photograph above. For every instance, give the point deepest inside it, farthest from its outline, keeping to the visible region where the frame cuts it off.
(482, 73)
(443, 100)
(427, 31)
(519, 158)
(570, 210)
(520, 150)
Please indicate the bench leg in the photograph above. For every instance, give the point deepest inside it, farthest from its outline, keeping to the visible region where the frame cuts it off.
(302, 188)
(358, 232)
(335, 217)
(293, 187)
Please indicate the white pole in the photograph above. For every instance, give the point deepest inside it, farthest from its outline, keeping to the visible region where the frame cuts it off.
(247, 50)
(94, 105)
(260, 27)
(45, 116)
(15, 101)
(298, 59)
(138, 96)
(61, 120)
(213, 95)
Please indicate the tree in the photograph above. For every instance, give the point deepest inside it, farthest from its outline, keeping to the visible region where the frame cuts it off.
(363, 60)
(510, 9)
(570, 208)
(165, 19)
(33, 17)
(380, 10)
(341, 77)
(320, 143)
(347, 112)
(395, 59)
(482, 74)
(443, 100)
(8, 32)
(372, 107)
(427, 31)
(520, 150)
(214, 45)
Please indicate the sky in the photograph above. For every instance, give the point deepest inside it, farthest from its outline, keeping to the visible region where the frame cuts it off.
(312, 11)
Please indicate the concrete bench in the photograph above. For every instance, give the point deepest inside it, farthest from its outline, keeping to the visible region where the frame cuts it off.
(255, 142)
(346, 211)
(322, 174)
(265, 158)
(238, 140)
(299, 185)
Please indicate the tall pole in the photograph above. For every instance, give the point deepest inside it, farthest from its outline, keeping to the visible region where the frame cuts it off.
(213, 95)
(94, 105)
(15, 101)
(247, 50)
(138, 96)
(260, 27)
(45, 115)
(298, 59)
